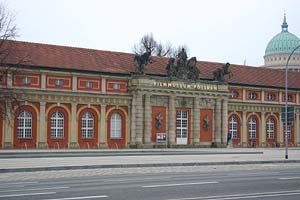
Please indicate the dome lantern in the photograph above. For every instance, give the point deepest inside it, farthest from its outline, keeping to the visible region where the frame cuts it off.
(284, 25)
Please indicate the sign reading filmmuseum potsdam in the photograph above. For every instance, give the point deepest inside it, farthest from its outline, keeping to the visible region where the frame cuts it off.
(197, 86)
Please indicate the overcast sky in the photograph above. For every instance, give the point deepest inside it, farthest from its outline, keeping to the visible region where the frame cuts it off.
(214, 30)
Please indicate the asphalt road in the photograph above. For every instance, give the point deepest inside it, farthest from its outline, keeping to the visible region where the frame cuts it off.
(279, 183)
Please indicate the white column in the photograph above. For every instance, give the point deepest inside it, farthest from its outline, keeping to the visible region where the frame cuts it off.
(103, 134)
(42, 132)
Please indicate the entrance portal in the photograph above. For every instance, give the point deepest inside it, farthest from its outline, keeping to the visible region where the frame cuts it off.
(182, 126)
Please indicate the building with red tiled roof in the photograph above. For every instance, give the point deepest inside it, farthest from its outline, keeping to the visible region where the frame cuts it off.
(67, 97)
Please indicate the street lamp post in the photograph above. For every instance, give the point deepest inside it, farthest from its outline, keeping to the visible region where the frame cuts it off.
(286, 101)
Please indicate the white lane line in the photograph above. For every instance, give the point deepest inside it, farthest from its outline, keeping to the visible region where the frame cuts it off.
(35, 189)
(27, 194)
(237, 196)
(19, 183)
(178, 184)
(260, 196)
(289, 178)
(85, 197)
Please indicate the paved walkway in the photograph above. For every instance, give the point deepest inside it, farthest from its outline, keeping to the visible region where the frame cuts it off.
(144, 158)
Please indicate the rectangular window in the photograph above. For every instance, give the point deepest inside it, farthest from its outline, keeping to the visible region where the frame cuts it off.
(88, 84)
(117, 86)
(59, 82)
(26, 80)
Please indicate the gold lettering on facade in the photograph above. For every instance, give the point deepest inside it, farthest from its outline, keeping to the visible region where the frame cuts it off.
(197, 86)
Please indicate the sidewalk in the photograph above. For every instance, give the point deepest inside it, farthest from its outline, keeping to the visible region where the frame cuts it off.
(15, 161)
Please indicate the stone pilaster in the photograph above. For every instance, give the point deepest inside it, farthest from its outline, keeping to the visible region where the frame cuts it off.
(74, 83)
(148, 119)
(280, 98)
(42, 141)
(171, 120)
(196, 122)
(103, 85)
(43, 81)
(281, 131)
(262, 135)
(103, 129)
(297, 131)
(133, 121)
(73, 127)
(139, 118)
(9, 79)
(217, 133)
(8, 135)
(224, 121)
(244, 129)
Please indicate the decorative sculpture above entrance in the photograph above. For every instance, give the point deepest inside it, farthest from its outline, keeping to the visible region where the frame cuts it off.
(142, 61)
(184, 68)
(221, 72)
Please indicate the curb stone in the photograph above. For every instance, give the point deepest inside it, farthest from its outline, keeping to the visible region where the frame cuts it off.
(38, 169)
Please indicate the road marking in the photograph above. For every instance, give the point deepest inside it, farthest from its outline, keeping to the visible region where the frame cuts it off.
(27, 194)
(32, 189)
(244, 196)
(259, 196)
(85, 197)
(291, 178)
(178, 184)
(19, 183)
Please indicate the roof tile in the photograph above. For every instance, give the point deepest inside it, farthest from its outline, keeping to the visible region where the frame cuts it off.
(45, 55)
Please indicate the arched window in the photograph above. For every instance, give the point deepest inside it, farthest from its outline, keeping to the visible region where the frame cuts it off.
(252, 95)
(271, 96)
(233, 124)
(115, 126)
(87, 125)
(234, 94)
(57, 125)
(252, 128)
(25, 124)
(270, 128)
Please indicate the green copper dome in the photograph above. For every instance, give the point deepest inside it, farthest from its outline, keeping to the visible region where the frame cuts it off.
(284, 42)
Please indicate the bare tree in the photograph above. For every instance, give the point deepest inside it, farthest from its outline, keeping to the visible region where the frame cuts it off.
(146, 44)
(150, 45)
(163, 50)
(175, 51)
(8, 32)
